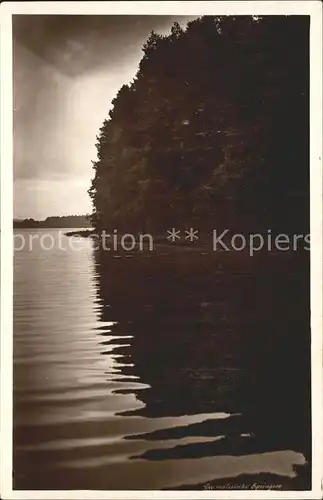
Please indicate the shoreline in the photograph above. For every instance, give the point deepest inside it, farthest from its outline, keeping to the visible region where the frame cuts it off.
(84, 233)
(204, 247)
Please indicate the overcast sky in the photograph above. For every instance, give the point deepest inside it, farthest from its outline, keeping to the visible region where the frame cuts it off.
(67, 69)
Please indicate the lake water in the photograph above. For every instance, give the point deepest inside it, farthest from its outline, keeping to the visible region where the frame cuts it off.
(160, 370)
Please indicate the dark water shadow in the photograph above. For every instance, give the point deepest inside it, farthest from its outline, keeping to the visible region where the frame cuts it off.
(218, 336)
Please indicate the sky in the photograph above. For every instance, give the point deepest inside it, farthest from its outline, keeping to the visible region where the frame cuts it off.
(67, 70)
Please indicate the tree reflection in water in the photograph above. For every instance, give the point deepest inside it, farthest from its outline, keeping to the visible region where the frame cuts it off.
(213, 334)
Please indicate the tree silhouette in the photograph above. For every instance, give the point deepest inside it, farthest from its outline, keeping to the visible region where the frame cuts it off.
(213, 130)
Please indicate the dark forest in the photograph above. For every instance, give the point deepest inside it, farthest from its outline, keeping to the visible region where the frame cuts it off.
(213, 131)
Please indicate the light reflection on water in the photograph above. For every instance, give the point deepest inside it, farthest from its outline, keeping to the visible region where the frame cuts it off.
(157, 372)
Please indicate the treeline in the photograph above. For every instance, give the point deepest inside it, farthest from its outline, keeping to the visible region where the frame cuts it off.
(212, 131)
(63, 221)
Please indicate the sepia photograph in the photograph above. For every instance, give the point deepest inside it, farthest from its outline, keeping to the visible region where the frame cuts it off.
(164, 211)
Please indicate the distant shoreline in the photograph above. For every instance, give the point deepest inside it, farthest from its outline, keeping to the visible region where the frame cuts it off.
(41, 226)
(54, 222)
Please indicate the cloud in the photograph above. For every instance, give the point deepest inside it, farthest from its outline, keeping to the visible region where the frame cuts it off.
(67, 70)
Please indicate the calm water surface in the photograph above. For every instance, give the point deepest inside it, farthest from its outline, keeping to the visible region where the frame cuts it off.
(158, 371)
